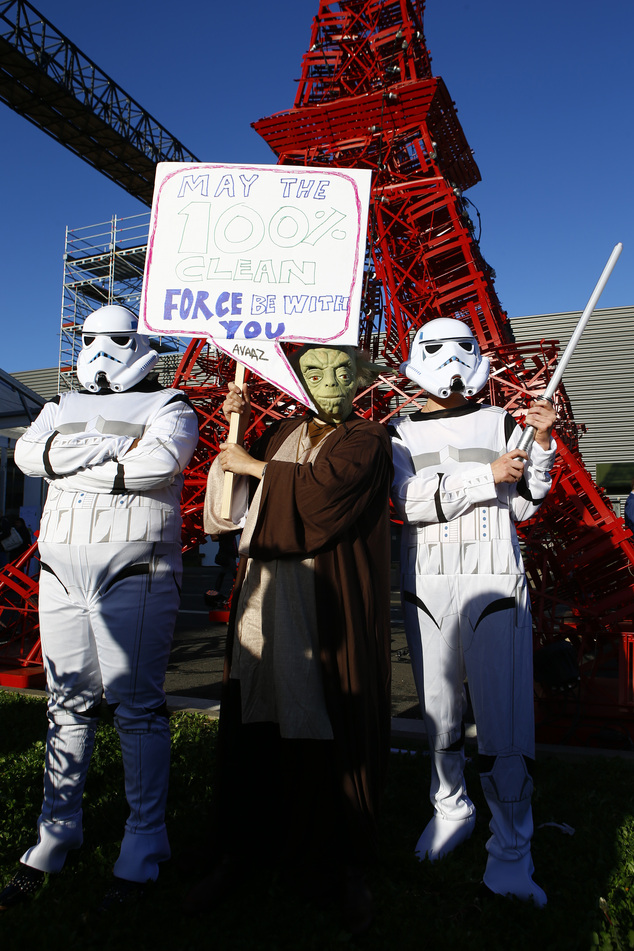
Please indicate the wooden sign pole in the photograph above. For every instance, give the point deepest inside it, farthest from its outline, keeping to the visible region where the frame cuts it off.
(234, 425)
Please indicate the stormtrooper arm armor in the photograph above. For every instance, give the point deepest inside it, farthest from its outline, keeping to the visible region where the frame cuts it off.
(430, 496)
(160, 455)
(162, 452)
(43, 452)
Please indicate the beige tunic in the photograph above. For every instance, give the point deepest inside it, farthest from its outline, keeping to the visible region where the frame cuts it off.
(275, 649)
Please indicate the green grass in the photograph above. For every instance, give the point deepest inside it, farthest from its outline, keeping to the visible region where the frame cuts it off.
(589, 876)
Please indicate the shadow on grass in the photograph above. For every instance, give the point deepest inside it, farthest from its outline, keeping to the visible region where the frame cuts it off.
(587, 876)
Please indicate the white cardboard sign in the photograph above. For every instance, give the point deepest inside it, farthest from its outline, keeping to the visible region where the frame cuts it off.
(250, 255)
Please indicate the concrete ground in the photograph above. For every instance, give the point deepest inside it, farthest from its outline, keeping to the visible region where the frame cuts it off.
(194, 674)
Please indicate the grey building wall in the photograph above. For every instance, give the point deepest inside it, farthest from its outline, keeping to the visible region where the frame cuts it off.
(599, 382)
(43, 381)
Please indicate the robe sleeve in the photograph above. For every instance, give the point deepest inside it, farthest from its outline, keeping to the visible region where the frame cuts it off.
(213, 522)
(305, 509)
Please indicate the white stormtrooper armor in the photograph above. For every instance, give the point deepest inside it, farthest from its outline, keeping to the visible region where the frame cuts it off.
(110, 553)
(445, 358)
(467, 615)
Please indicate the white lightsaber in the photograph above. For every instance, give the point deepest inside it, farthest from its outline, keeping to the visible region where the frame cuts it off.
(529, 433)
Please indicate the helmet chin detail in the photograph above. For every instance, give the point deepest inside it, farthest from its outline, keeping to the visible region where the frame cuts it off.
(114, 356)
(445, 359)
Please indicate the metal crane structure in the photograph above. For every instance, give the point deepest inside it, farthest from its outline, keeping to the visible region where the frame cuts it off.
(48, 80)
(367, 99)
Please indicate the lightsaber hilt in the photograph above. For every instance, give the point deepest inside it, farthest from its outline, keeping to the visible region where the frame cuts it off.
(528, 435)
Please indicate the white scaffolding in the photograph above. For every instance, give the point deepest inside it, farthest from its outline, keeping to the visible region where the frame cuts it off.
(103, 264)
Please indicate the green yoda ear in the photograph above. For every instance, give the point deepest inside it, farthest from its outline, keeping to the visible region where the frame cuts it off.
(367, 372)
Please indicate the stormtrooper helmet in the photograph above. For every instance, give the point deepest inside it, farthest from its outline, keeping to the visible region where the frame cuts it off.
(445, 359)
(113, 356)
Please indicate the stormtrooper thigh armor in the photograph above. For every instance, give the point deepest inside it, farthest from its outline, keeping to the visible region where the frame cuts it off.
(107, 615)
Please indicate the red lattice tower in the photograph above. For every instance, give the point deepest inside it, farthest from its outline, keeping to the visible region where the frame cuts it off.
(367, 99)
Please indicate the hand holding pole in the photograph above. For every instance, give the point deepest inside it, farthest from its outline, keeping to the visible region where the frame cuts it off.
(234, 428)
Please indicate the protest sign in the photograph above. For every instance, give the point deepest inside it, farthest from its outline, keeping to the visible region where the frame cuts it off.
(252, 255)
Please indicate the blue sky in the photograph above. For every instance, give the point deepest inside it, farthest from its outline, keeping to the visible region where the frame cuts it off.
(544, 93)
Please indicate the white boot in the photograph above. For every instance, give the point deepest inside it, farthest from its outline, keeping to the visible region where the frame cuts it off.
(69, 745)
(508, 789)
(454, 813)
(514, 879)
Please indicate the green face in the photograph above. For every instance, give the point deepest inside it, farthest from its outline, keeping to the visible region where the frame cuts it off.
(330, 378)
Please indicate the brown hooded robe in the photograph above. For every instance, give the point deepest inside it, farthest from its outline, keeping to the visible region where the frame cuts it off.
(335, 510)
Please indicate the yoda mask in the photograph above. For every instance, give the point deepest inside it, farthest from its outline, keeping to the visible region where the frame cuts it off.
(330, 377)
